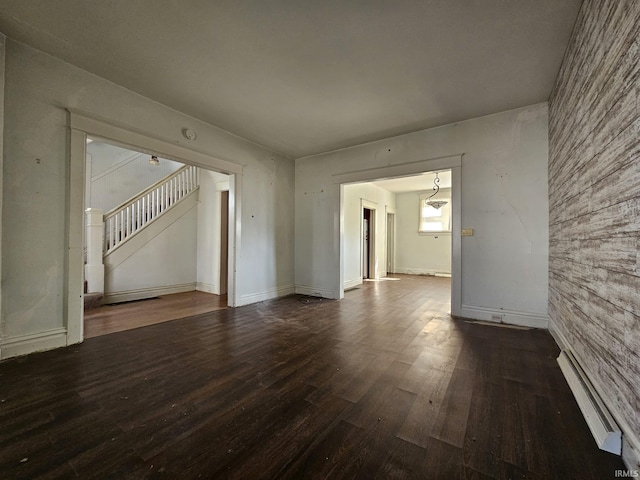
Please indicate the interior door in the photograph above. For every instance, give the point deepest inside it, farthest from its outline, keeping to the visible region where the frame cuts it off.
(224, 241)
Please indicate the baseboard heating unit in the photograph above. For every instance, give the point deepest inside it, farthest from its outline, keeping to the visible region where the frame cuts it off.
(606, 432)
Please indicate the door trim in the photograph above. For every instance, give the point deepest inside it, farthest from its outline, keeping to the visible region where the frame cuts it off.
(449, 162)
(373, 206)
(390, 212)
(81, 125)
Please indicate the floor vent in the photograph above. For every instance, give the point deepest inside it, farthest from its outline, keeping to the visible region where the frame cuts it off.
(602, 425)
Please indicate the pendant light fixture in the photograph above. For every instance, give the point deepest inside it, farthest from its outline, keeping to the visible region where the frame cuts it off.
(437, 204)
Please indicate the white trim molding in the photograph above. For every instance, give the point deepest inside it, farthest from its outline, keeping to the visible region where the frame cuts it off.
(268, 295)
(127, 136)
(208, 288)
(142, 293)
(510, 317)
(422, 271)
(447, 162)
(400, 170)
(33, 342)
(352, 283)
(316, 291)
(82, 124)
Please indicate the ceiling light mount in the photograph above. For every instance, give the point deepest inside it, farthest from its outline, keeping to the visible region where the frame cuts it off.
(189, 134)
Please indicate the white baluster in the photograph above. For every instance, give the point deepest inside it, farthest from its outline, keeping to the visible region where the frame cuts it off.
(121, 236)
(112, 234)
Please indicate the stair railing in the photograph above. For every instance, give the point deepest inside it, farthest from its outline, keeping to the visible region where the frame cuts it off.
(131, 216)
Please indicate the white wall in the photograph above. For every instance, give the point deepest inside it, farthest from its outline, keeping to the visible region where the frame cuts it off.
(353, 194)
(419, 253)
(504, 197)
(208, 249)
(116, 174)
(38, 89)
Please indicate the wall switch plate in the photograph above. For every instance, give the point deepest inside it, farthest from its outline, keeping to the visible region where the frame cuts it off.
(467, 232)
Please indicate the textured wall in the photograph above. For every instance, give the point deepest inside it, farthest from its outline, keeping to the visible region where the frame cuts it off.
(594, 201)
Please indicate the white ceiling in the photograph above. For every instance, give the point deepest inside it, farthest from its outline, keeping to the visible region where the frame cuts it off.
(308, 76)
(416, 183)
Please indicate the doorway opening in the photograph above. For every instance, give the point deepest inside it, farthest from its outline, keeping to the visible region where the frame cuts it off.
(224, 241)
(156, 242)
(401, 233)
(368, 243)
(82, 127)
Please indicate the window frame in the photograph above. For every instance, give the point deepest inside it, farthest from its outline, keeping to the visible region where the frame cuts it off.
(445, 196)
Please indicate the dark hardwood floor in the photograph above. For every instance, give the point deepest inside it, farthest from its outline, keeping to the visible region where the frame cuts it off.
(141, 313)
(383, 384)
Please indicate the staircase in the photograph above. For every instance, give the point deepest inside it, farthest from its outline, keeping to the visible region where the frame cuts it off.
(124, 222)
(128, 218)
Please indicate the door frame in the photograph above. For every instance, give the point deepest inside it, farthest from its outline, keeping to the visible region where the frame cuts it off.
(448, 162)
(82, 125)
(223, 273)
(372, 206)
(390, 253)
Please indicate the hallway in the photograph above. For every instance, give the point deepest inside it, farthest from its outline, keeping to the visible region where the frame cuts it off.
(383, 384)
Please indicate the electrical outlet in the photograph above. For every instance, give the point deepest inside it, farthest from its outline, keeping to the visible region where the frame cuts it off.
(496, 318)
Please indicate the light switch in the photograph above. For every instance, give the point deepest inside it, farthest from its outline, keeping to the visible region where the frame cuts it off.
(467, 232)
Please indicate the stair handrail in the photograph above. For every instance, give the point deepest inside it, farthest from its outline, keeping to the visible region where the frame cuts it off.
(141, 194)
(128, 218)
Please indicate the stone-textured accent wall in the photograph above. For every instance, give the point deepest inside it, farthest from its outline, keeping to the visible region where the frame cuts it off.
(594, 201)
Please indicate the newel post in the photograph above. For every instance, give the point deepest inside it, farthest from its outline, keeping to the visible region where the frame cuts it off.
(94, 268)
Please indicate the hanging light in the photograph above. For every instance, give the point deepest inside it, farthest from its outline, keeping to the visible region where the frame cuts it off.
(154, 160)
(437, 204)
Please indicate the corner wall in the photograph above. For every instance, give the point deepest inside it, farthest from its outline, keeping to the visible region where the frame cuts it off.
(594, 211)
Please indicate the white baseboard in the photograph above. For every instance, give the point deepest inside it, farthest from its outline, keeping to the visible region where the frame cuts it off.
(268, 295)
(352, 283)
(630, 442)
(315, 291)
(422, 271)
(208, 288)
(511, 317)
(142, 293)
(33, 342)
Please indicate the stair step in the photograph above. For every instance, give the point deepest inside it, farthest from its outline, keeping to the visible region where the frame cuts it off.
(92, 300)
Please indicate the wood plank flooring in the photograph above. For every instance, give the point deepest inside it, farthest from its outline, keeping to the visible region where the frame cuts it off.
(383, 384)
(142, 313)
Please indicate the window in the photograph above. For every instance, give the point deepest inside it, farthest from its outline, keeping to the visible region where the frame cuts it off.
(435, 219)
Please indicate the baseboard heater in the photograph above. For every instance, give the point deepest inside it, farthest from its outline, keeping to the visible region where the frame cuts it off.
(602, 425)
